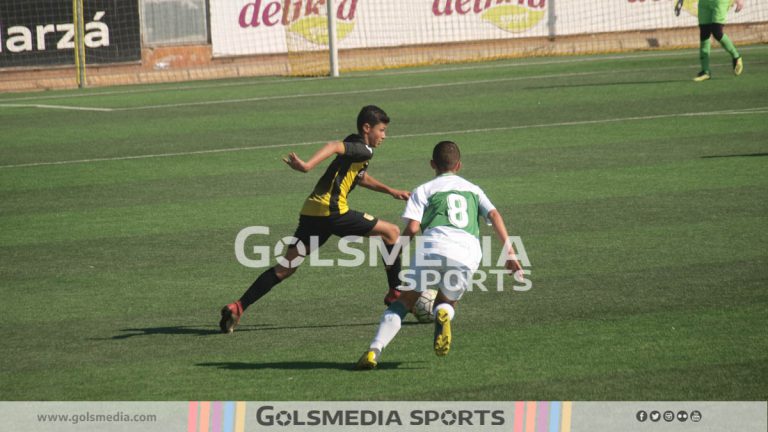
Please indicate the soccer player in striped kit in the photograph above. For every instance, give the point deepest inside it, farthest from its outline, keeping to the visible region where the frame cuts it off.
(326, 211)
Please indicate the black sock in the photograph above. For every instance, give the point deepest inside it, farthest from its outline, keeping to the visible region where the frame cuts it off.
(393, 271)
(260, 287)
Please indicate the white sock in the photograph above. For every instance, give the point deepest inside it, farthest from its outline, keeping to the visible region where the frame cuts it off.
(448, 308)
(388, 328)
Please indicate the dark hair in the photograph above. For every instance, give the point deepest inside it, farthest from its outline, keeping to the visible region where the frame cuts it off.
(445, 155)
(372, 115)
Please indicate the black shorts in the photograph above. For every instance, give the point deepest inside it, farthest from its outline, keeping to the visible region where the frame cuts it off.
(351, 223)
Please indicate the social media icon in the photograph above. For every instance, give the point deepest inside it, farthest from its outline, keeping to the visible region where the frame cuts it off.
(682, 416)
(642, 416)
(655, 416)
(669, 416)
(696, 416)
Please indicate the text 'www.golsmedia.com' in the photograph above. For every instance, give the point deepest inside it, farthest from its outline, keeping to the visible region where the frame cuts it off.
(87, 417)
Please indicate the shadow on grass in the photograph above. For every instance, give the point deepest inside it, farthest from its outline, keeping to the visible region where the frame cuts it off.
(210, 330)
(735, 155)
(603, 84)
(302, 365)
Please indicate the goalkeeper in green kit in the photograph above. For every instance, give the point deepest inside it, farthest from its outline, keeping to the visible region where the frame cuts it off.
(712, 17)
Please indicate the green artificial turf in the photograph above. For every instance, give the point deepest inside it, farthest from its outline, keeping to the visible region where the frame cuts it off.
(640, 198)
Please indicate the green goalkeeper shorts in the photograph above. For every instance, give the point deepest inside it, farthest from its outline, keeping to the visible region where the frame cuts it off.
(713, 11)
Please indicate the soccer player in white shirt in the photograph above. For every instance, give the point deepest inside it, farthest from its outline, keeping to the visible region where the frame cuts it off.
(446, 209)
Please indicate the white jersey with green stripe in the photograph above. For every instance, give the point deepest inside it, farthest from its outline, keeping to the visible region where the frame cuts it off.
(448, 208)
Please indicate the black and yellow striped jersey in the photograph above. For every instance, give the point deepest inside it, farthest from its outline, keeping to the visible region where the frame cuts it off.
(331, 191)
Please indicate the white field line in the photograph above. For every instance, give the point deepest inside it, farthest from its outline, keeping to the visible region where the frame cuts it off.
(759, 110)
(324, 94)
(158, 155)
(58, 107)
(378, 90)
(747, 111)
(353, 92)
(350, 92)
(327, 94)
(572, 60)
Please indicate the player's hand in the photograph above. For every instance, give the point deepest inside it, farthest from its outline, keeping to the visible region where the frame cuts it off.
(401, 195)
(513, 265)
(295, 162)
(739, 5)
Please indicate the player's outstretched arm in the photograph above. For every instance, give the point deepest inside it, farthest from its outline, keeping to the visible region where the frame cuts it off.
(328, 150)
(371, 183)
(501, 231)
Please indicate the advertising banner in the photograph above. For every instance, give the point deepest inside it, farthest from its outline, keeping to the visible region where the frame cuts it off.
(247, 27)
(41, 32)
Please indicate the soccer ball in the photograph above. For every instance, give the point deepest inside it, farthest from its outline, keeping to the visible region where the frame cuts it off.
(423, 308)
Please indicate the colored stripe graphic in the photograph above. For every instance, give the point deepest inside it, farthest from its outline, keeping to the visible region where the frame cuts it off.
(530, 417)
(554, 416)
(216, 417)
(192, 417)
(205, 416)
(240, 417)
(519, 416)
(229, 417)
(566, 423)
(542, 425)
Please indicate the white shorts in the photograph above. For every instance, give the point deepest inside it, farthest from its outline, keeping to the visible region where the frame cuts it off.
(444, 265)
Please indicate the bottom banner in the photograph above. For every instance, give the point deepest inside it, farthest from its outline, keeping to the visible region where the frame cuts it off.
(532, 416)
